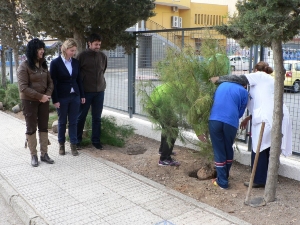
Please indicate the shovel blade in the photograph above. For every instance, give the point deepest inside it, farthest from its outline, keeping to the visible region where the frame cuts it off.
(256, 202)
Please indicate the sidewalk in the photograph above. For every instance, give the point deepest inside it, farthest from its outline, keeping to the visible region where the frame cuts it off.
(85, 190)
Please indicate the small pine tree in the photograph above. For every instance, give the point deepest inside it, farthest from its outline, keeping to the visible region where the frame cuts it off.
(189, 95)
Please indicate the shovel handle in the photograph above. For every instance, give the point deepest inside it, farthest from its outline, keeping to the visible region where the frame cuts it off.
(262, 128)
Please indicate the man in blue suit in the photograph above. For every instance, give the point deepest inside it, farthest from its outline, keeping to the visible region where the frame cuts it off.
(67, 94)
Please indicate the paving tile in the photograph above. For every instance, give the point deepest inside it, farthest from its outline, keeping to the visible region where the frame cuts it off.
(168, 207)
(196, 217)
(133, 216)
(84, 190)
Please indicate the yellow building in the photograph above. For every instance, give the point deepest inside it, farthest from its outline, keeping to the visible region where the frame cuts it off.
(190, 14)
(174, 14)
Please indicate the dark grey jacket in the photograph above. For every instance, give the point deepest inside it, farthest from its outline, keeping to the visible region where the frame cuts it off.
(92, 68)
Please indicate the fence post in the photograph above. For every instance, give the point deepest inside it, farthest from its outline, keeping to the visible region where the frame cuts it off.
(255, 55)
(182, 39)
(11, 65)
(262, 53)
(131, 80)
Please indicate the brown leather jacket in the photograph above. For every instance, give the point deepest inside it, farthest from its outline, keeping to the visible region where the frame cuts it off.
(33, 84)
(92, 68)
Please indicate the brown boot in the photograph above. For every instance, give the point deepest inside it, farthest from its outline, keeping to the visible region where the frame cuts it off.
(44, 142)
(32, 143)
(74, 150)
(62, 150)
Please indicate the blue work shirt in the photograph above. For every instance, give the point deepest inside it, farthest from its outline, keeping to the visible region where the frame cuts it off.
(230, 101)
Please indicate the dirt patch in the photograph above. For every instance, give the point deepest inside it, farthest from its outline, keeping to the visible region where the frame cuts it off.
(140, 155)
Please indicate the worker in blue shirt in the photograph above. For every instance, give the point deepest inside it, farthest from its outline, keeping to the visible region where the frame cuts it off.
(230, 101)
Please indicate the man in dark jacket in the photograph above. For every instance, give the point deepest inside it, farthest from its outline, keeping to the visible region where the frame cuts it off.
(93, 64)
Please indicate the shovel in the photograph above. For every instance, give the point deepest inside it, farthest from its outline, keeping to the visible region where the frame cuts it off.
(256, 201)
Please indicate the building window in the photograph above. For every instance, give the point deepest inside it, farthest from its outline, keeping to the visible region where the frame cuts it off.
(201, 21)
(204, 22)
(118, 52)
(195, 18)
(198, 18)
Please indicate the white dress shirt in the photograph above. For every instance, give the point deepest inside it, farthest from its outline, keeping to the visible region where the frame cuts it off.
(68, 64)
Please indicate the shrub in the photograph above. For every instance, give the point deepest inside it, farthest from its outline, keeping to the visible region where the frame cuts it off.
(52, 118)
(11, 96)
(111, 133)
(52, 108)
(2, 94)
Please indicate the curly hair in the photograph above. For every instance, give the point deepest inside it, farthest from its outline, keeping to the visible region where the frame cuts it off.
(31, 53)
(94, 37)
(264, 66)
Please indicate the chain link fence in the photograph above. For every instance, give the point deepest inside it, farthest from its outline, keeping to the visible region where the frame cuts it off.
(125, 72)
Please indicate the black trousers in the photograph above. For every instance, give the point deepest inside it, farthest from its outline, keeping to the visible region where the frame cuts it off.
(166, 148)
(36, 115)
(262, 166)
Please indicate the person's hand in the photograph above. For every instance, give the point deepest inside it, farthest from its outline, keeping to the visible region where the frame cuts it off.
(82, 100)
(57, 105)
(244, 123)
(214, 79)
(202, 138)
(45, 98)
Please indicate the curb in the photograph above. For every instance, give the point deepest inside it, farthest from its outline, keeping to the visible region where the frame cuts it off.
(25, 212)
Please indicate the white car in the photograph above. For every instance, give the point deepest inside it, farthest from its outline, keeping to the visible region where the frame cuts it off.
(238, 62)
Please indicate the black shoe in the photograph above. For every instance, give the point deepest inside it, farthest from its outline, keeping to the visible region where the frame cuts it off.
(47, 159)
(98, 146)
(34, 161)
(254, 185)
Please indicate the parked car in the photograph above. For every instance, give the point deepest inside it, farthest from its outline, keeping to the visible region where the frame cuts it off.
(238, 62)
(292, 75)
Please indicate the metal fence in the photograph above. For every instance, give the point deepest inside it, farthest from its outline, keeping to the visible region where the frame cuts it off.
(125, 72)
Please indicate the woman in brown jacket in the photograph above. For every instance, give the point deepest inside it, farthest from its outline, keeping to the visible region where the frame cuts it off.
(35, 88)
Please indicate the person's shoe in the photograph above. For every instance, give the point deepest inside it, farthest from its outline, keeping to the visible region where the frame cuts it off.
(168, 162)
(62, 150)
(98, 146)
(34, 161)
(173, 153)
(254, 185)
(214, 182)
(47, 159)
(74, 150)
(78, 146)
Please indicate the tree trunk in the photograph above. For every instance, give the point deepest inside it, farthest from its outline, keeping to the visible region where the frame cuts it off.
(81, 43)
(16, 57)
(276, 135)
(3, 68)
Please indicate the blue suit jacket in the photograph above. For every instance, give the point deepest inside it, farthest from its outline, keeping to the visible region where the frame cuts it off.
(63, 81)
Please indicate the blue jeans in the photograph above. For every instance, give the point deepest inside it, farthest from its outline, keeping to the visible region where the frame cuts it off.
(94, 99)
(222, 137)
(68, 110)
